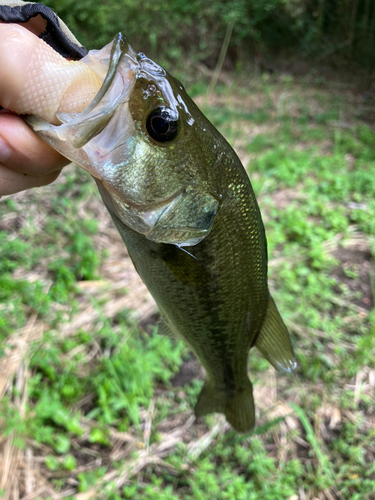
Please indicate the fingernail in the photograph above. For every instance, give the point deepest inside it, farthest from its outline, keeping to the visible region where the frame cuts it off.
(5, 150)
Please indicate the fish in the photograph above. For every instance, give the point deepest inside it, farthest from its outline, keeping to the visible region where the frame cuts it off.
(186, 211)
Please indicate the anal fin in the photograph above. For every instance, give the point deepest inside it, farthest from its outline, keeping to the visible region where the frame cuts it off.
(273, 340)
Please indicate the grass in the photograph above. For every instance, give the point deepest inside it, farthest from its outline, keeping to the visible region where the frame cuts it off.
(96, 405)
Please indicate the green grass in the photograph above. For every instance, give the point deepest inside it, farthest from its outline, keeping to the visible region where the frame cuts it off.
(98, 405)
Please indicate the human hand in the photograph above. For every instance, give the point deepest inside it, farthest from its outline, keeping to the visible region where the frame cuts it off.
(25, 160)
(27, 64)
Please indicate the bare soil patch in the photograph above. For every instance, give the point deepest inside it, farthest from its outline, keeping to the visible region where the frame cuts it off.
(355, 271)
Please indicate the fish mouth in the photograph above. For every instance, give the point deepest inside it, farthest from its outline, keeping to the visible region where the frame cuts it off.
(115, 90)
(78, 137)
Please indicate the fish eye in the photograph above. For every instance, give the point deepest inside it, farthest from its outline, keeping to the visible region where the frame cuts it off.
(162, 125)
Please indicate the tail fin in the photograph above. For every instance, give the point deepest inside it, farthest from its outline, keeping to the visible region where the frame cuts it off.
(238, 408)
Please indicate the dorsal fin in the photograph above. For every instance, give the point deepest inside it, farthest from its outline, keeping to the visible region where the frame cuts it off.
(273, 340)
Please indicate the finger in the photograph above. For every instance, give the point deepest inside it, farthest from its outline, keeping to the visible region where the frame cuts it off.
(21, 150)
(12, 182)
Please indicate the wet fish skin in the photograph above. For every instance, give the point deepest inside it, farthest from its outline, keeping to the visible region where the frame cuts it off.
(188, 215)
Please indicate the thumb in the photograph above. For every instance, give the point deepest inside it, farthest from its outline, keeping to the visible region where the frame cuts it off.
(36, 80)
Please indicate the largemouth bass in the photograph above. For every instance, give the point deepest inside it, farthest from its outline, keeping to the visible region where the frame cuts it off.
(185, 208)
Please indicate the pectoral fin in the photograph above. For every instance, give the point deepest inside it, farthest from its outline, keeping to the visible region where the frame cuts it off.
(186, 267)
(273, 340)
